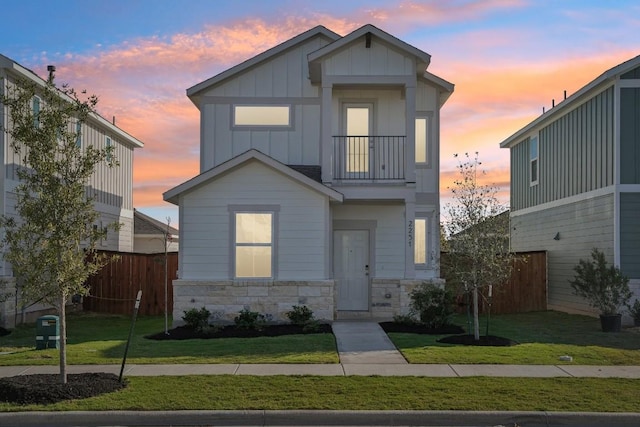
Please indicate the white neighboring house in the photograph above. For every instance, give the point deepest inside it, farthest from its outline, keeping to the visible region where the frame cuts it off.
(150, 235)
(575, 182)
(113, 187)
(319, 180)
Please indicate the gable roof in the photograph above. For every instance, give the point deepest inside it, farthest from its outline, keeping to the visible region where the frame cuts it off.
(604, 79)
(194, 91)
(16, 69)
(146, 225)
(422, 58)
(172, 196)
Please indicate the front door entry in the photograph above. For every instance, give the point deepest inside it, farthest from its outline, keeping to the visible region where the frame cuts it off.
(351, 269)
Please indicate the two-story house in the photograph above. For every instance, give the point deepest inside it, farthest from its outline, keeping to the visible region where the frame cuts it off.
(575, 182)
(319, 180)
(112, 187)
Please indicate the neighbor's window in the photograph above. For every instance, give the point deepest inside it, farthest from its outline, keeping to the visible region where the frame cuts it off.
(261, 115)
(78, 134)
(108, 144)
(35, 108)
(253, 244)
(533, 158)
(420, 241)
(421, 140)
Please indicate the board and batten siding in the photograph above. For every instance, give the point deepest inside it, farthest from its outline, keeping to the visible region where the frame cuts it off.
(630, 234)
(389, 245)
(380, 59)
(575, 155)
(580, 226)
(388, 105)
(204, 224)
(630, 135)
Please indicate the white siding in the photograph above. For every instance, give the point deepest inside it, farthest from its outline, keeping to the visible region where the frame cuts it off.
(426, 97)
(378, 60)
(389, 109)
(582, 225)
(389, 235)
(205, 218)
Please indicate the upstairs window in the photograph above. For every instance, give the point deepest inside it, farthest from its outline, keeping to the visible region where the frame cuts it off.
(78, 134)
(262, 115)
(422, 140)
(533, 160)
(35, 109)
(108, 144)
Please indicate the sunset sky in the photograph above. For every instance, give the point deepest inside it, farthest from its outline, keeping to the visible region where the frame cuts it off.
(507, 58)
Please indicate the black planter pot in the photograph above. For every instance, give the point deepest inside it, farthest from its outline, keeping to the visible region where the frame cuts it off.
(611, 322)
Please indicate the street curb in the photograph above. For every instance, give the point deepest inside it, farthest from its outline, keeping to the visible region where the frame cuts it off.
(320, 418)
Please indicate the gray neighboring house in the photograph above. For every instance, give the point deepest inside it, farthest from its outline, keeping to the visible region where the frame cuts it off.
(149, 235)
(575, 182)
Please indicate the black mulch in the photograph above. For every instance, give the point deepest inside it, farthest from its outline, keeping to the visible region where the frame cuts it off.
(4, 331)
(231, 331)
(47, 388)
(416, 328)
(485, 340)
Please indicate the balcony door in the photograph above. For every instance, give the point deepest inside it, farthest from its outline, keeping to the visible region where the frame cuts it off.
(358, 126)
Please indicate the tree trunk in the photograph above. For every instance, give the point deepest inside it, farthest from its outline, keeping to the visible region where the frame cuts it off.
(476, 319)
(63, 339)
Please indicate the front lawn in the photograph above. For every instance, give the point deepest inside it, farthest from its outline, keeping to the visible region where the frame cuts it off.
(100, 339)
(359, 393)
(543, 338)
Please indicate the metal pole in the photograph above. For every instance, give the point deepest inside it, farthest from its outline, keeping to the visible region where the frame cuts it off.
(133, 323)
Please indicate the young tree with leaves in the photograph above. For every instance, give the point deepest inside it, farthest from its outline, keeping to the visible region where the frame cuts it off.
(479, 255)
(51, 242)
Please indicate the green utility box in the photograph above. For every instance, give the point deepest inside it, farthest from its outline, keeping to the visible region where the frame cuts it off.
(47, 332)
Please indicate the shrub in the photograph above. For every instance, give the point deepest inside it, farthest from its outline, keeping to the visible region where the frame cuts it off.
(432, 304)
(405, 319)
(197, 319)
(300, 315)
(248, 319)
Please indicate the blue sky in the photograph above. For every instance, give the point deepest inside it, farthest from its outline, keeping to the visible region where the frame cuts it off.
(507, 58)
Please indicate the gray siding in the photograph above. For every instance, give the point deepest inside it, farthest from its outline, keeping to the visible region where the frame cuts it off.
(582, 225)
(630, 234)
(630, 136)
(633, 74)
(575, 155)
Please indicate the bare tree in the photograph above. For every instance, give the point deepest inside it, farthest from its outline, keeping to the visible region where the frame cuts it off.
(51, 243)
(477, 225)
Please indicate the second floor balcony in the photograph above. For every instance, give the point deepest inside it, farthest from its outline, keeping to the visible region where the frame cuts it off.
(369, 158)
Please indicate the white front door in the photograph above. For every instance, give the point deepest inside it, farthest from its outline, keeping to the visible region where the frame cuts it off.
(351, 268)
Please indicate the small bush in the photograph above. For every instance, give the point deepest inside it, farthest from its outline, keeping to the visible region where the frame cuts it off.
(432, 304)
(300, 315)
(405, 319)
(251, 320)
(197, 319)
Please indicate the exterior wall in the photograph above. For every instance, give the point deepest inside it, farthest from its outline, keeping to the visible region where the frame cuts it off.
(576, 155)
(204, 224)
(630, 136)
(378, 60)
(582, 223)
(388, 259)
(149, 244)
(280, 80)
(225, 299)
(389, 109)
(630, 234)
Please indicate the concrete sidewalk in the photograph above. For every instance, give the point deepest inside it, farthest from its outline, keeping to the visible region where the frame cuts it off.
(344, 369)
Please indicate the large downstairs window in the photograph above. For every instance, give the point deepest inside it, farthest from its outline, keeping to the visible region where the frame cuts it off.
(254, 244)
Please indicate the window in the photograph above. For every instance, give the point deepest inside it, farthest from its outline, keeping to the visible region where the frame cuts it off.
(358, 129)
(78, 134)
(35, 108)
(422, 140)
(533, 158)
(254, 243)
(261, 115)
(420, 245)
(108, 145)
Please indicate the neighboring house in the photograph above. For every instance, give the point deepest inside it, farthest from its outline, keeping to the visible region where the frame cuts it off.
(319, 177)
(151, 236)
(575, 181)
(112, 187)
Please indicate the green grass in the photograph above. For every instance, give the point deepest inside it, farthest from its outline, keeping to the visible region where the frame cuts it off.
(360, 393)
(101, 339)
(543, 338)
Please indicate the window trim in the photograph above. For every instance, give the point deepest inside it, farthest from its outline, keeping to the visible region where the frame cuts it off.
(236, 126)
(255, 209)
(534, 160)
(428, 117)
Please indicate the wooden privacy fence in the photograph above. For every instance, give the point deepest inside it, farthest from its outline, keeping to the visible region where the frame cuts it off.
(113, 289)
(525, 291)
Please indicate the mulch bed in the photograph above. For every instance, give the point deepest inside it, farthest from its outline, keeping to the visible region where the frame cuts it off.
(416, 328)
(232, 331)
(47, 388)
(485, 340)
(4, 331)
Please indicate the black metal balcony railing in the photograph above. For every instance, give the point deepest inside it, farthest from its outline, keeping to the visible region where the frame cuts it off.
(368, 157)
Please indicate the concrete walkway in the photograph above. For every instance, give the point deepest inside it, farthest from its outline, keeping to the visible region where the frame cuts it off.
(364, 342)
